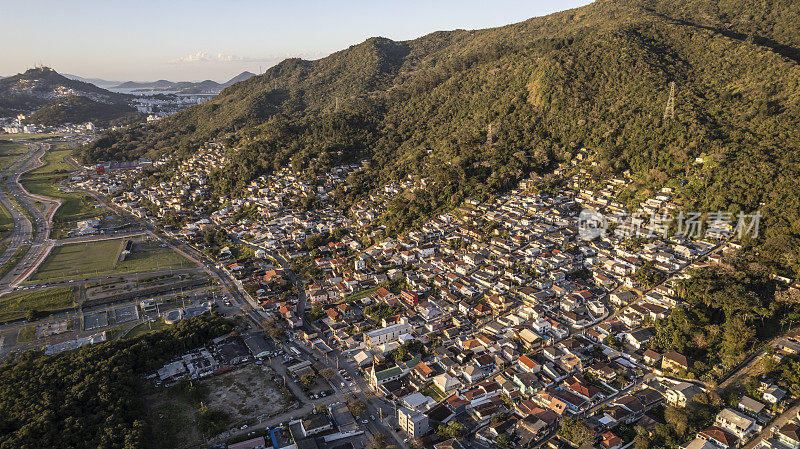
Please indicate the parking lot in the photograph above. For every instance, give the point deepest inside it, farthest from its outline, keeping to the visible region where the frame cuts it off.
(95, 320)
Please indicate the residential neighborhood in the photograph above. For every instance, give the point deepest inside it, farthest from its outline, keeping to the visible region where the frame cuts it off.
(500, 316)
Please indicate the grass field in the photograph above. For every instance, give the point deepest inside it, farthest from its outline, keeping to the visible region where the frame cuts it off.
(43, 180)
(360, 295)
(14, 260)
(26, 334)
(33, 136)
(10, 152)
(6, 222)
(432, 391)
(143, 328)
(95, 259)
(18, 304)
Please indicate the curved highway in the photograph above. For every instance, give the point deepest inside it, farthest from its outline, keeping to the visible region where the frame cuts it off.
(36, 233)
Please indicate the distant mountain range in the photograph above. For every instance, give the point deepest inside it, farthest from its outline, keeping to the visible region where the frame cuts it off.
(52, 98)
(60, 99)
(105, 84)
(185, 87)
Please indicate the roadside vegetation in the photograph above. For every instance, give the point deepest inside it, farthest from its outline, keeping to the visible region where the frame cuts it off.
(45, 181)
(91, 397)
(10, 152)
(31, 305)
(14, 260)
(102, 258)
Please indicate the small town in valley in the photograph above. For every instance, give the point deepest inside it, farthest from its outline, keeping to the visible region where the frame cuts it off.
(579, 230)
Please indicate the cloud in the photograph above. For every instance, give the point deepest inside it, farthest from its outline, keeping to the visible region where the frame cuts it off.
(202, 57)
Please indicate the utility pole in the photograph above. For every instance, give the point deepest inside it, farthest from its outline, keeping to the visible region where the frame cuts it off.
(669, 111)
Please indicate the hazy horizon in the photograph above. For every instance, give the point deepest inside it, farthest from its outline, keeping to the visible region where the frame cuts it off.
(195, 41)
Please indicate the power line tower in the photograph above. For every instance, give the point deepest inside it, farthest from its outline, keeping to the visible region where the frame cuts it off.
(669, 111)
(336, 108)
(490, 134)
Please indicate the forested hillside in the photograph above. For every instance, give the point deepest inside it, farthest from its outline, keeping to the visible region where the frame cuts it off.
(75, 109)
(595, 77)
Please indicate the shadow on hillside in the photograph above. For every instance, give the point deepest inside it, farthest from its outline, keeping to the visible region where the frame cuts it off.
(784, 50)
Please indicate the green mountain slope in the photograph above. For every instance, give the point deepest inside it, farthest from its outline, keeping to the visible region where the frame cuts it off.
(76, 109)
(595, 77)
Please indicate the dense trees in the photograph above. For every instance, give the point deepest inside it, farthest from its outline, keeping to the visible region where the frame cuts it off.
(729, 310)
(786, 373)
(377, 312)
(45, 88)
(91, 397)
(648, 277)
(453, 429)
(575, 431)
(76, 109)
(679, 424)
(407, 351)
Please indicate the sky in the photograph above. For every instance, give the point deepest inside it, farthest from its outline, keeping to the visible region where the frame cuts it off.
(182, 40)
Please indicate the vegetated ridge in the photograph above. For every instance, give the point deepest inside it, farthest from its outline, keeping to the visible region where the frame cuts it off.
(596, 77)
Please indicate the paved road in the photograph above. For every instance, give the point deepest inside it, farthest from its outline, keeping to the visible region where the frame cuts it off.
(229, 288)
(785, 417)
(22, 226)
(383, 412)
(37, 234)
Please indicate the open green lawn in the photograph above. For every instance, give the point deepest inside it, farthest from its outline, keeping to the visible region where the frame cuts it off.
(79, 260)
(432, 391)
(43, 180)
(10, 152)
(42, 136)
(143, 328)
(362, 294)
(6, 222)
(14, 260)
(17, 304)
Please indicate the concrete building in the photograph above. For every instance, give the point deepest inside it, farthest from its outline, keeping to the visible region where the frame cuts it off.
(316, 423)
(387, 334)
(414, 423)
(737, 423)
(680, 394)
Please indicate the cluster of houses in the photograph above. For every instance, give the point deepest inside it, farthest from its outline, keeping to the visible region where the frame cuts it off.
(498, 311)
(18, 125)
(279, 221)
(186, 192)
(365, 211)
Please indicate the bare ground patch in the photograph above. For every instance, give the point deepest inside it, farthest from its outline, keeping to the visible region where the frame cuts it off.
(242, 396)
(246, 393)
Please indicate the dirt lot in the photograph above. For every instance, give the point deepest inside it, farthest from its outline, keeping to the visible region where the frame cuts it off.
(242, 396)
(246, 393)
